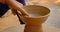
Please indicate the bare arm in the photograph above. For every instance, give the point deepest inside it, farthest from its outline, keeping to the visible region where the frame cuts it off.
(16, 5)
(2, 1)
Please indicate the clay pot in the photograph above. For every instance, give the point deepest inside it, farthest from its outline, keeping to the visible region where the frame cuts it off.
(37, 16)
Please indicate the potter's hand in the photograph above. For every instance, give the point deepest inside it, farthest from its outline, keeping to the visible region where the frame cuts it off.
(13, 4)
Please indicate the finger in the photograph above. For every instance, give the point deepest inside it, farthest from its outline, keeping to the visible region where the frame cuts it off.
(23, 12)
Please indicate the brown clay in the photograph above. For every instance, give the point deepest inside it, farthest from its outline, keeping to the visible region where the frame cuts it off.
(34, 23)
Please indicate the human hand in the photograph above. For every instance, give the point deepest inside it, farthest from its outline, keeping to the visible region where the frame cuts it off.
(17, 6)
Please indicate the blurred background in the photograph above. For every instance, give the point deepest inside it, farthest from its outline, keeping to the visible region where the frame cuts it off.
(54, 6)
(53, 20)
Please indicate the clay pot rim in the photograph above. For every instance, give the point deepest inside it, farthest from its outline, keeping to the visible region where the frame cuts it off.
(39, 16)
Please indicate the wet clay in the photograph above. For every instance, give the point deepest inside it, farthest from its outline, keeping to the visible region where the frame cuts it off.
(37, 16)
(36, 11)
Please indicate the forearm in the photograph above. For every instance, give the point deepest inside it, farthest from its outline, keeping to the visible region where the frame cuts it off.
(16, 5)
(13, 4)
(2, 1)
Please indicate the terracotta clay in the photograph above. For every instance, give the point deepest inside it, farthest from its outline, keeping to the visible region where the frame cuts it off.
(34, 23)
